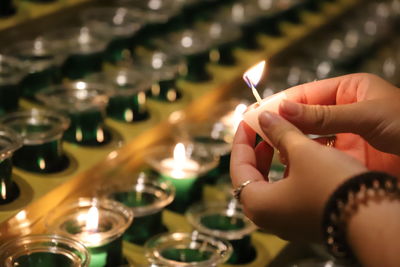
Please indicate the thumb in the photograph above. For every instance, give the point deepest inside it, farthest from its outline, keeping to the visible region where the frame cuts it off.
(281, 133)
(358, 118)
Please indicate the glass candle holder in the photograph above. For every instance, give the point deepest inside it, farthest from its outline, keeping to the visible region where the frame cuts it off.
(98, 223)
(187, 249)
(43, 65)
(146, 195)
(128, 100)
(83, 48)
(6, 8)
(41, 132)
(163, 69)
(226, 221)
(10, 141)
(224, 38)
(12, 72)
(44, 251)
(85, 104)
(118, 25)
(185, 171)
(243, 15)
(158, 17)
(194, 47)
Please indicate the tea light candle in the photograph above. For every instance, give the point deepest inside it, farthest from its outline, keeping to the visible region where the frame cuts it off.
(181, 171)
(98, 224)
(271, 103)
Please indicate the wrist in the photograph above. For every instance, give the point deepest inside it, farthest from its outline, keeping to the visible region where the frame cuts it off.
(354, 194)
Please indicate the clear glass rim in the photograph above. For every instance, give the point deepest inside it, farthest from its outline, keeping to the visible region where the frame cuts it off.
(19, 69)
(59, 122)
(155, 245)
(54, 97)
(17, 247)
(155, 155)
(134, 79)
(163, 190)
(100, 19)
(55, 219)
(231, 209)
(12, 139)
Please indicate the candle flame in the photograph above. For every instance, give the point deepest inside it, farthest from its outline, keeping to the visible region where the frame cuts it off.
(238, 115)
(92, 220)
(253, 76)
(179, 153)
(3, 190)
(179, 160)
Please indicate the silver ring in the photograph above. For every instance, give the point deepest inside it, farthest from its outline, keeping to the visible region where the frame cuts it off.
(330, 142)
(238, 190)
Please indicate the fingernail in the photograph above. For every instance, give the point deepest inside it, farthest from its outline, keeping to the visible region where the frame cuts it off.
(290, 109)
(266, 118)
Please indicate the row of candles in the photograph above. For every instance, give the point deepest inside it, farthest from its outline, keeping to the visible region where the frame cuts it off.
(176, 181)
(131, 209)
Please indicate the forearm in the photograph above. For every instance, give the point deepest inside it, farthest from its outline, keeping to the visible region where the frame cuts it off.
(373, 232)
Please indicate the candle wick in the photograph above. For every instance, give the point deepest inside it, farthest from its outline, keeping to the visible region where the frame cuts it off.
(253, 89)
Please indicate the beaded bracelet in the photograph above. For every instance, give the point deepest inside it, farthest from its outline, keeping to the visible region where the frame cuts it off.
(345, 201)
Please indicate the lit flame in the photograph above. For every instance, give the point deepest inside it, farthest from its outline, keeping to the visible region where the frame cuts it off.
(253, 75)
(179, 160)
(3, 190)
(238, 115)
(92, 221)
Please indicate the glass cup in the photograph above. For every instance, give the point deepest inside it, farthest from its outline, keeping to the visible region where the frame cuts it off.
(187, 249)
(146, 195)
(224, 37)
(128, 100)
(164, 70)
(159, 17)
(6, 8)
(12, 72)
(83, 49)
(226, 221)
(194, 46)
(85, 104)
(43, 62)
(41, 132)
(44, 251)
(10, 141)
(98, 223)
(118, 25)
(185, 168)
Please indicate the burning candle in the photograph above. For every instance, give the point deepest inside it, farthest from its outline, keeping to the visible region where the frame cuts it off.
(98, 224)
(271, 103)
(183, 171)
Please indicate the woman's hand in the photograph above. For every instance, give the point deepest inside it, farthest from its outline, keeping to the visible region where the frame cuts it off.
(353, 105)
(291, 208)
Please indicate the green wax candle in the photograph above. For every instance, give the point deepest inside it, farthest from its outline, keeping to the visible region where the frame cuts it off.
(87, 128)
(80, 65)
(128, 108)
(196, 67)
(35, 81)
(108, 255)
(44, 259)
(9, 98)
(43, 158)
(166, 90)
(144, 226)
(186, 254)
(243, 251)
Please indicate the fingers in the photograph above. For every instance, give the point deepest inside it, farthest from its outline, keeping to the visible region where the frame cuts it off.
(282, 134)
(243, 165)
(264, 154)
(357, 118)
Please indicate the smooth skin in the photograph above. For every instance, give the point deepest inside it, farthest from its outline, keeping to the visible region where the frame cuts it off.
(292, 208)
